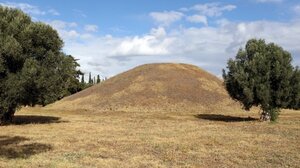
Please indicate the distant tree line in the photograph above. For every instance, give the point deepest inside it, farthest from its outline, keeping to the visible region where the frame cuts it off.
(91, 81)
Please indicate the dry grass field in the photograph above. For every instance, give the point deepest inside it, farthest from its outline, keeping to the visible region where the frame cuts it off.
(44, 138)
(155, 115)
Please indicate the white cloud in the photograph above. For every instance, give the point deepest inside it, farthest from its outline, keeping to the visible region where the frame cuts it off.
(30, 9)
(222, 22)
(142, 46)
(159, 32)
(207, 47)
(72, 34)
(91, 28)
(53, 12)
(167, 17)
(65, 29)
(153, 44)
(269, 1)
(58, 24)
(198, 19)
(296, 9)
(212, 9)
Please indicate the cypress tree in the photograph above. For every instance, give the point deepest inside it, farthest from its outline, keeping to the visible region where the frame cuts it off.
(98, 79)
(90, 79)
(82, 79)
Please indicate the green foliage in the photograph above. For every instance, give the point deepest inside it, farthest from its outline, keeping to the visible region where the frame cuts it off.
(90, 79)
(33, 69)
(82, 79)
(98, 79)
(71, 74)
(274, 112)
(295, 96)
(262, 75)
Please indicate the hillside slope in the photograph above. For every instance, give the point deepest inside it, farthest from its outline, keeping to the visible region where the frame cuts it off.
(153, 87)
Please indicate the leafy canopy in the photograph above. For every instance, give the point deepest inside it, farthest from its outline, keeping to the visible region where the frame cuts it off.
(262, 75)
(33, 68)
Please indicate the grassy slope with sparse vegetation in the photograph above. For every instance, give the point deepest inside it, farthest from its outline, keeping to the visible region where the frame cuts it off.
(140, 139)
(154, 88)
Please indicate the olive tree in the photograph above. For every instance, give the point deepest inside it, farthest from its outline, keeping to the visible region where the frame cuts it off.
(33, 68)
(262, 75)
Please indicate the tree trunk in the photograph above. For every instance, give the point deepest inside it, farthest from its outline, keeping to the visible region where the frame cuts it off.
(8, 116)
(269, 114)
(265, 116)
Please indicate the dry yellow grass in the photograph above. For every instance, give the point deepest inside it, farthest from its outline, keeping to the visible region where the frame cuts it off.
(141, 139)
(153, 88)
(156, 115)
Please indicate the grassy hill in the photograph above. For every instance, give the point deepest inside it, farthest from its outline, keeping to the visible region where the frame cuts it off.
(155, 115)
(153, 87)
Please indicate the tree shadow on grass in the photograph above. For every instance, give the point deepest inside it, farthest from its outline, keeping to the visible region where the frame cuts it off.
(17, 147)
(35, 119)
(224, 118)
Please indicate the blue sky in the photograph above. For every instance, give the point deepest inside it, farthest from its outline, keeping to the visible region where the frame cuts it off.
(109, 37)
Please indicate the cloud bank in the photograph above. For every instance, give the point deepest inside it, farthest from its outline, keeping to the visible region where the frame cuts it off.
(198, 35)
(208, 47)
